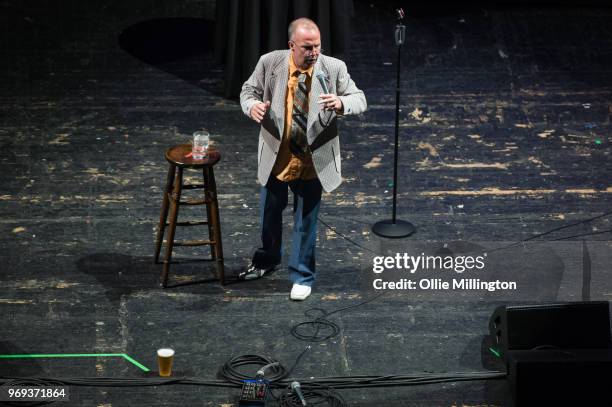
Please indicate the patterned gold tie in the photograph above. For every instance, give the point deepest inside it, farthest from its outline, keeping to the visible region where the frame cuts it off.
(299, 118)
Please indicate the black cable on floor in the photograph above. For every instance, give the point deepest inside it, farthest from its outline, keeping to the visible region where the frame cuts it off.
(548, 232)
(603, 215)
(599, 232)
(319, 328)
(336, 382)
(230, 372)
(348, 239)
(536, 236)
(297, 360)
(344, 382)
(314, 396)
(124, 381)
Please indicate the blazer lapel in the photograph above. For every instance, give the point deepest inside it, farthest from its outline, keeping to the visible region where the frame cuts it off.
(279, 93)
(315, 91)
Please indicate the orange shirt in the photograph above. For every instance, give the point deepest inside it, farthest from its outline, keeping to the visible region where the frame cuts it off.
(289, 167)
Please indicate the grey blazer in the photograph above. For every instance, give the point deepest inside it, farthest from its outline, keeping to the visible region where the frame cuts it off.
(269, 82)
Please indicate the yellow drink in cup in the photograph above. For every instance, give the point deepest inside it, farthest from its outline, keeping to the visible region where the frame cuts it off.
(165, 357)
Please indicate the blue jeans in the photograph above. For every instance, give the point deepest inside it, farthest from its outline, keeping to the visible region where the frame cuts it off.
(306, 203)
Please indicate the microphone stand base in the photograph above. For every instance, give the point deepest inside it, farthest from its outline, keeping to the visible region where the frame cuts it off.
(393, 230)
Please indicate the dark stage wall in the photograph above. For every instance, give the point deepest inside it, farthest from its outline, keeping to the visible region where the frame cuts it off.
(245, 30)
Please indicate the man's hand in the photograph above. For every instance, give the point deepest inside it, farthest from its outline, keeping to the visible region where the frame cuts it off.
(259, 110)
(329, 101)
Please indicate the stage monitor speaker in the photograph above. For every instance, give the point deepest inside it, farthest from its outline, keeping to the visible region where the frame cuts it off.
(577, 325)
(560, 378)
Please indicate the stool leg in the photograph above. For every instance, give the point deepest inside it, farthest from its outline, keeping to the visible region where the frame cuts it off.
(207, 197)
(163, 216)
(211, 190)
(174, 204)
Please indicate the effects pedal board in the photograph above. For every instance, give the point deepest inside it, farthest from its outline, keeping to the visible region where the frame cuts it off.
(254, 393)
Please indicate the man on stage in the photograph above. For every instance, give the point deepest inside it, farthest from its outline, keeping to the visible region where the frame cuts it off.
(296, 96)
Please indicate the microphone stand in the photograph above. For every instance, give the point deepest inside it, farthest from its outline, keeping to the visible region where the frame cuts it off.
(395, 228)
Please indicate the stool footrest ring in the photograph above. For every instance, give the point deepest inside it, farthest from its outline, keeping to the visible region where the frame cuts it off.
(190, 223)
(195, 202)
(193, 242)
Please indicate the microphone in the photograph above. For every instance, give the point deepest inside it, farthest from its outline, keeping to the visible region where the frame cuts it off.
(321, 77)
(297, 389)
(400, 29)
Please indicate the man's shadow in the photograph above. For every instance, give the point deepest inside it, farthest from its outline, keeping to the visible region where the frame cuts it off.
(123, 275)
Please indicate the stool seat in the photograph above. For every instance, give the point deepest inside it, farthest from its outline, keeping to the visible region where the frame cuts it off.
(179, 157)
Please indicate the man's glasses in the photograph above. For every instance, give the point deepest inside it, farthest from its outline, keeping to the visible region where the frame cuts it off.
(309, 48)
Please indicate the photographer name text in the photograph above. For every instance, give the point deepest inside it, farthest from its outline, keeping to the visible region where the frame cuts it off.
(458, 264)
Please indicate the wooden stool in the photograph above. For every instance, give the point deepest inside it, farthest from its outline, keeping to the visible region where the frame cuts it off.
(180, 158)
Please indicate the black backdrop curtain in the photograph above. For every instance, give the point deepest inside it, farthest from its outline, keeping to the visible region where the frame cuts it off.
(247, 29)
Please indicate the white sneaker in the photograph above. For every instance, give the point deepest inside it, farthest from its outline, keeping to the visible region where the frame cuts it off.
(300, 292)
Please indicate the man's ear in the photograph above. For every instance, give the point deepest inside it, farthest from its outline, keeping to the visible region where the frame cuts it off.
(290, 44)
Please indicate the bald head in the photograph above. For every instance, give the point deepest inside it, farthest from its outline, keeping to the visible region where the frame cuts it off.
(302, 24)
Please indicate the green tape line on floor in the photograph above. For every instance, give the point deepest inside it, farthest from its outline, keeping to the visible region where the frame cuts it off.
(76, 355)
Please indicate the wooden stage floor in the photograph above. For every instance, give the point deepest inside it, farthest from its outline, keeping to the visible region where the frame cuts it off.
(505, 138)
